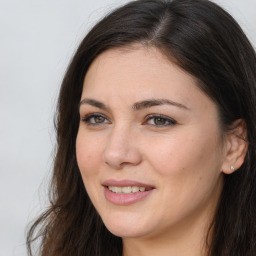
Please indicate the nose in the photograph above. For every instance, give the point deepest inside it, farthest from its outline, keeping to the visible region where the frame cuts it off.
(122, 149)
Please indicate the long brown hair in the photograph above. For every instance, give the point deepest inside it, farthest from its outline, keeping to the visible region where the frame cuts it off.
(205, 41)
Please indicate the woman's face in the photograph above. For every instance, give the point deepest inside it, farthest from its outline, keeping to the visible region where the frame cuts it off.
(149, 145)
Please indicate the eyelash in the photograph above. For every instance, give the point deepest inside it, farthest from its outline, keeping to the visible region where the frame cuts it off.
(87, 119)
(167, 120)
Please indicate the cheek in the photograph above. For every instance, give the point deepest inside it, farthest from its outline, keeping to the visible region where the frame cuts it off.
(88, 152)
(185, 154)
(188, 173)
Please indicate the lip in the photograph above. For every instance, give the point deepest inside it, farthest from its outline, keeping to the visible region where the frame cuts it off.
(126, 199)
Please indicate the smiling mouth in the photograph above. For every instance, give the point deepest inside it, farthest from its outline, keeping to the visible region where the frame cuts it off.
(126, 192)
(128, 189)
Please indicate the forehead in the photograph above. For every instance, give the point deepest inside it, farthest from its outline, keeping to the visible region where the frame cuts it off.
(139, 61)
(139, 73)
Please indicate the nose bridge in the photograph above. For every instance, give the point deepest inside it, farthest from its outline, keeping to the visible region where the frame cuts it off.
(121, 147)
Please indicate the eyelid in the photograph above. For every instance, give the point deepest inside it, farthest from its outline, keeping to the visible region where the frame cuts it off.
(170, 120)
(86, 118)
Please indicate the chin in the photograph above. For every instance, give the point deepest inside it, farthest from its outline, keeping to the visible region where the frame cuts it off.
(125, 227)
(127, 232)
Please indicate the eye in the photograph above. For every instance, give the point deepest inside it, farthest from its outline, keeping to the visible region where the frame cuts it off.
(95, 119)
(159, 120)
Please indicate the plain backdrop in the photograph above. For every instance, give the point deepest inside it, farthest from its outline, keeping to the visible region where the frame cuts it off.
(37, 40)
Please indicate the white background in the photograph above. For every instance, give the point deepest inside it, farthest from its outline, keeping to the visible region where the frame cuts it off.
(37, 40)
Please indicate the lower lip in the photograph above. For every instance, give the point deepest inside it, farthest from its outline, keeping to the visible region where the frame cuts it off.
(125, 199)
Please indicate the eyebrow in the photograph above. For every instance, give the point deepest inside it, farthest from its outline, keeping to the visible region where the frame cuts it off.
(156, 102)
(93, 103)
(136, 106)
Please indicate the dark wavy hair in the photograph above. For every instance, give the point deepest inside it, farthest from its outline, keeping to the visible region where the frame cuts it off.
(205, 41)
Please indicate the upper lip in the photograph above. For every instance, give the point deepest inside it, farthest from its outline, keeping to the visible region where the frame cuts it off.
(126, 183)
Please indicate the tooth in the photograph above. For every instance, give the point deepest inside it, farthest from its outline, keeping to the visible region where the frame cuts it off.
(127, 190)
(114, 189)
(135, 189)
(118, 190)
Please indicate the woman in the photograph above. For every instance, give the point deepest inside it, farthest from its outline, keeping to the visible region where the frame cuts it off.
(156, 137)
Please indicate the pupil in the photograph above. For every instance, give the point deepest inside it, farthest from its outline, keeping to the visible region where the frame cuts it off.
(99, 119)
(159, 121)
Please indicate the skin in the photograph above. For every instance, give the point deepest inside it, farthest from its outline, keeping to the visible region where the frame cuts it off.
(183, 160)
